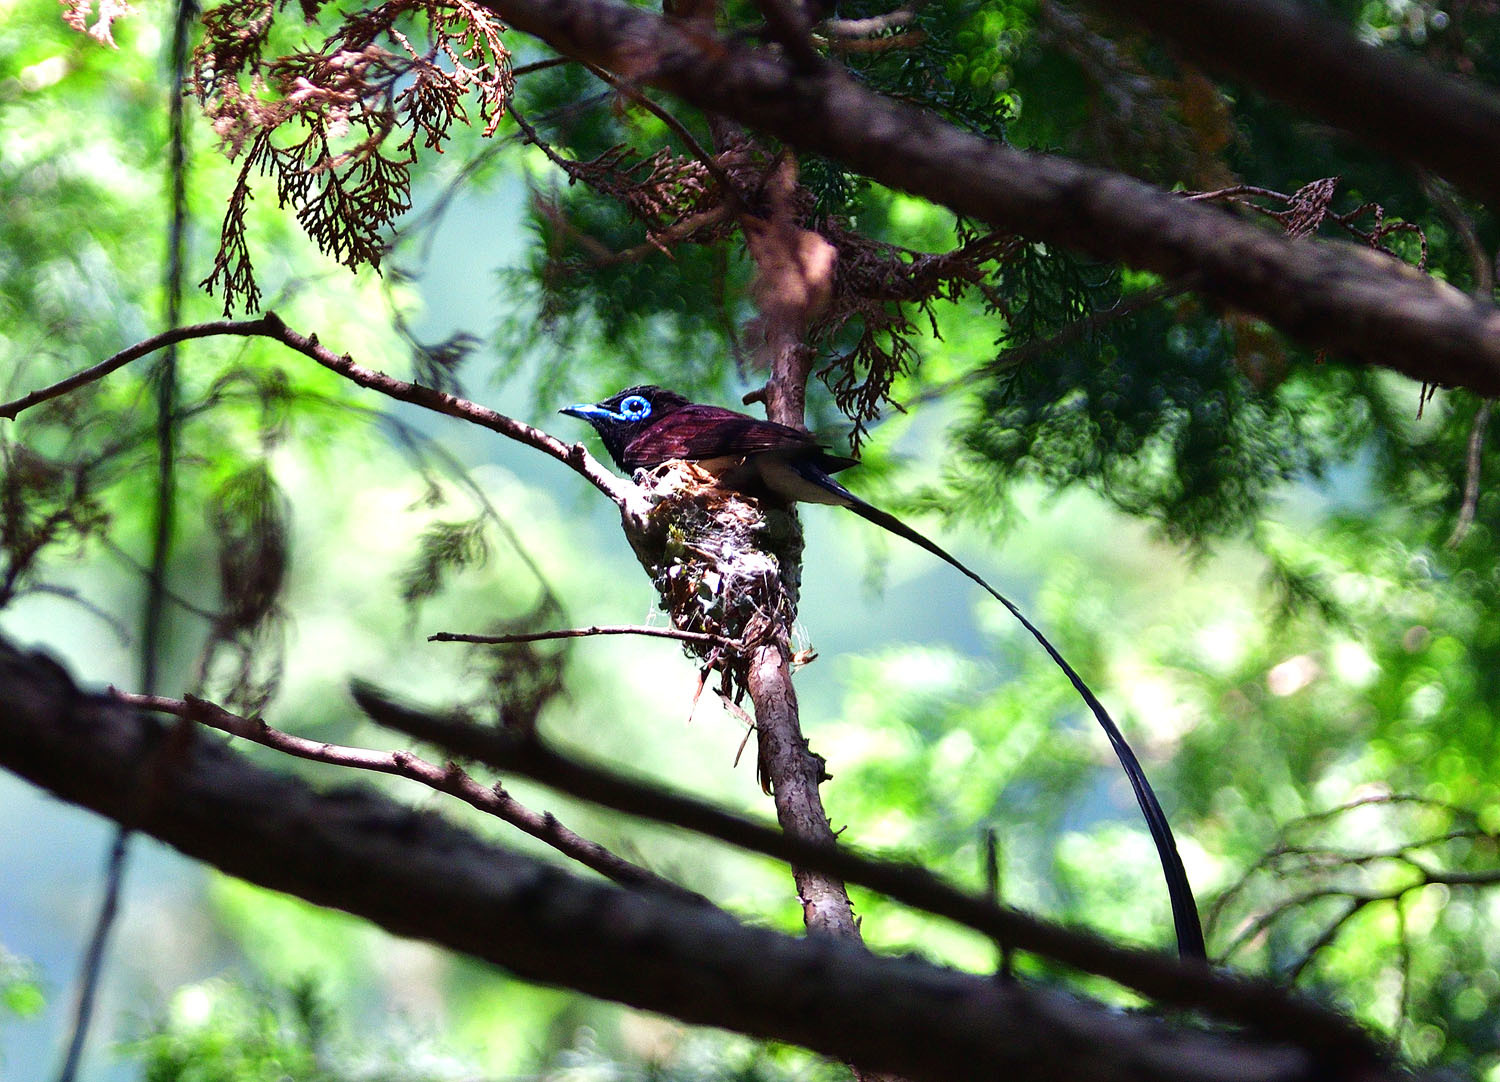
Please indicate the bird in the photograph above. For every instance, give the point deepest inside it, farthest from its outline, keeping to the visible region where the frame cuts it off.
(646, 426)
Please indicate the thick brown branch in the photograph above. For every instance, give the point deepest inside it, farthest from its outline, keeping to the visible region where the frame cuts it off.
(794, 270)
(417, 875)
(492, 800)
(1327, 293)
(1158, 976)
(1295, 53)
(795, 773)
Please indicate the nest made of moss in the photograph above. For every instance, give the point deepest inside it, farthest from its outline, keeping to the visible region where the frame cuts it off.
(723, 563)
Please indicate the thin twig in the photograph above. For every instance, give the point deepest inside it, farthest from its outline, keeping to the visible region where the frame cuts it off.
(1352, 907)
(1473, 460)
(452, 780)
(1253, 928)
(909, 40)
(1484, 288)
(1272, 856)
(1288, 218)
(673, 234)
(537, 141)
(118, 552)
(1462, 222)
(93, 957)
(739, 712)
(540, 65)
(660, 242)
(420, 444)
(115, 624)
(585, 632)
(9, 410)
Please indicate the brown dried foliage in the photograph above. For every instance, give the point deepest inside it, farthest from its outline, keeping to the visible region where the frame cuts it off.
(338, 125)
(76, 14)
(673, 196)
(881, 289)
(1310, 207)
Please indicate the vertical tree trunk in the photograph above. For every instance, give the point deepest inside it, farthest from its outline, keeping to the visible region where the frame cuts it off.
(794, 277)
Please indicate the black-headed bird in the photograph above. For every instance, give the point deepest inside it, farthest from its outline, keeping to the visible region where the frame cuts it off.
(644, 427)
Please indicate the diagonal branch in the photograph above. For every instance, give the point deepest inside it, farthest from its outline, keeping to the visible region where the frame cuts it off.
(1300, 56)
(246, 328)
(270, 326)
(1328, 294)
(677, 128)
(452, 780)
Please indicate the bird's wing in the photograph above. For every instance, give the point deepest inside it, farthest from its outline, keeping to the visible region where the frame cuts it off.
(699, 432)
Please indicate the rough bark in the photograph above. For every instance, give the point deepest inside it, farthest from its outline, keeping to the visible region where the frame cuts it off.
(1298, 55)
(1325, 293)
(793, 281)
(796, 774)
(417, 875)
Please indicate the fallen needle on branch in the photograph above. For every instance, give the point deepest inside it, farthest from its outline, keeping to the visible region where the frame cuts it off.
(585, 632)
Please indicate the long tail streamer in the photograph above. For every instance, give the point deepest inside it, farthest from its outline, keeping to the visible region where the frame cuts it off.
(1184, 909)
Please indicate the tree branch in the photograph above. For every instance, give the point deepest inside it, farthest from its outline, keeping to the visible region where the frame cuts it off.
(417, 875)
(1473, 460)
(246, 328)
(1328, 294)
(452, 780)
(790, 26)
(1298, 55)
(794, 269)
(583, 633)
(878, 24)
(1158, 976)
(270, 326)
(676, 127)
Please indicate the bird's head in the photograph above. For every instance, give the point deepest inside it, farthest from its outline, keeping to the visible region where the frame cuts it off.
(622, 417)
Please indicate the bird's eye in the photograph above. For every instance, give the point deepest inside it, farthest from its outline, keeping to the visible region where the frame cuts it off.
(635, 408)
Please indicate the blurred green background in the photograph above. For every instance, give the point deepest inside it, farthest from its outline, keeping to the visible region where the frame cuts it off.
(1252, 571)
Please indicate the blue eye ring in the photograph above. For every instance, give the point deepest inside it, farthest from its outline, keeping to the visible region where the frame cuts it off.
(635, 408)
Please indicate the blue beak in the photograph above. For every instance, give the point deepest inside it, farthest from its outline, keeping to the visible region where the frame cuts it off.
(585, 411)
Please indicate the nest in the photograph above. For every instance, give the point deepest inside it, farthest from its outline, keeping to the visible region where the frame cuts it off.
(723, 563)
